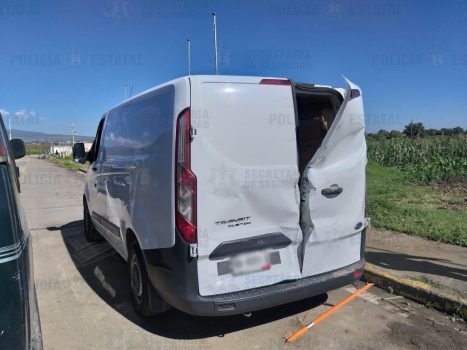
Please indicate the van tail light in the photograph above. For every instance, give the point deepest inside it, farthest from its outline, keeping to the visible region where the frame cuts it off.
(357, 273)
(275, 82)
(2, 150)
(185, 181)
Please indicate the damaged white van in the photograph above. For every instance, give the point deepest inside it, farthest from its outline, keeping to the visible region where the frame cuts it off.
(229, 194)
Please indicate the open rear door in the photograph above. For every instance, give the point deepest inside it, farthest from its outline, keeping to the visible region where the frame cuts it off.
(333, 192)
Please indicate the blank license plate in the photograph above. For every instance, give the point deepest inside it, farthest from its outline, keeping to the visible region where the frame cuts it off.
(250, 262)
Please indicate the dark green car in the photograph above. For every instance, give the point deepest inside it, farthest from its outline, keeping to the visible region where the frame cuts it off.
(19, 317)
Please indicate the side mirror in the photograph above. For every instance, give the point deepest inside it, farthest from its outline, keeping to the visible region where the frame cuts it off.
(78, 151)
(90, 156)
(18, 148)
(82, 160)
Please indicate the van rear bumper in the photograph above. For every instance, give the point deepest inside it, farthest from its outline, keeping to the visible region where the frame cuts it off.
(269, 296)
(179, 287)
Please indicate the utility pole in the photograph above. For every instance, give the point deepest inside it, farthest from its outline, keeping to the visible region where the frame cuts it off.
(73, 132)
(215, 41)
(189, 55)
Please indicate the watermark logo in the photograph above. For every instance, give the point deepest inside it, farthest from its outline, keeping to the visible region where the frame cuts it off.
(199, 118)
(20, 8)
(435, 59)
(298, 59)
(292, 8)
(227, 181)
(76, 59)
(223, 180)
(174, 9)
(38, 59)
(281, 119)
(372, 9)
(117, 10)
(301, 8)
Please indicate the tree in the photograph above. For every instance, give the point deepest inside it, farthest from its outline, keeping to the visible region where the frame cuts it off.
(414, 130)
(446, 131)
(382, 134)
(396, 134)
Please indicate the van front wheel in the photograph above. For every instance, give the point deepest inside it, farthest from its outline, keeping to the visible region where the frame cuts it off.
(90, 231)
(146, 300)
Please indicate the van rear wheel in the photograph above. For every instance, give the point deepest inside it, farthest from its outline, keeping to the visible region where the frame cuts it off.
(90, 231)
(146, 301)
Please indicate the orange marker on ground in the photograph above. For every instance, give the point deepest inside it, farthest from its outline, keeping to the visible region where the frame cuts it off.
(321, 317)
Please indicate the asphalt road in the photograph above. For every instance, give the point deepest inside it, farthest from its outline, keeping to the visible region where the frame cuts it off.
(83, 295)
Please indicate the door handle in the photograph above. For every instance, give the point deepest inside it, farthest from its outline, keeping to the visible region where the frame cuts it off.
(332, 191)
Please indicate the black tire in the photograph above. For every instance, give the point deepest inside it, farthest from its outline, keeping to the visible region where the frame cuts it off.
(90, 231)
(146, 301)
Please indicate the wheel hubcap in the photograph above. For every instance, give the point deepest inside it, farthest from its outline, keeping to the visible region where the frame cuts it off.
(136, 280)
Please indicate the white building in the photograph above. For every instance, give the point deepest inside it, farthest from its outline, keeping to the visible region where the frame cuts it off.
(63, 151)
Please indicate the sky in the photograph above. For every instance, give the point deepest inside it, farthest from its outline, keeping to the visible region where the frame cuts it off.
(64, 61)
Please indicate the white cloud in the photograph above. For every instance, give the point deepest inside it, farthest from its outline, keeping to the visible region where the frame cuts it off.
(4, 112)
(23, 114)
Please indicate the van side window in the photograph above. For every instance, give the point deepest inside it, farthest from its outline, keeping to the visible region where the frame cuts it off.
(96, 144)
(138, 126)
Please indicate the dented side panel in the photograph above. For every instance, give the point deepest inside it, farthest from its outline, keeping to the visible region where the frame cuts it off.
(333, 192)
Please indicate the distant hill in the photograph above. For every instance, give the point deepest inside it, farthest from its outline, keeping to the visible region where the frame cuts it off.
(40, 137)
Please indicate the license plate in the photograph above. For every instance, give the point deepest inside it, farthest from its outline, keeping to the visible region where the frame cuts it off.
(250, 262)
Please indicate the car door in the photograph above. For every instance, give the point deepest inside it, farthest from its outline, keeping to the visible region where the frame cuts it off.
(93, 178)
(333, 192)
(18, 316)
(245, 161)
(114, 180)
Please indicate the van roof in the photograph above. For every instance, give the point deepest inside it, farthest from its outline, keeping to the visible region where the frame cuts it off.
(207, 78)
(200, 79)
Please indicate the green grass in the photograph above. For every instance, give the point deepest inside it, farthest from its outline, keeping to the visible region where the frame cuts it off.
(35, 149)
(436, 212)
(68, 163)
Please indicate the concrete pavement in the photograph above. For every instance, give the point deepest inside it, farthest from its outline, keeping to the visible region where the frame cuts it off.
(84, 297)
(426, 271)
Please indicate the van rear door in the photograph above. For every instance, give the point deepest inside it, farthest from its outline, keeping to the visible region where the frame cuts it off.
(333, 192)
(244, 156)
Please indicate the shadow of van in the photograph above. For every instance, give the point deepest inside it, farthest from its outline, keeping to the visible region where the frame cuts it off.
(106, 273)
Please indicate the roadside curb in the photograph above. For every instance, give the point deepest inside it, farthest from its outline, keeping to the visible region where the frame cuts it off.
(416, 290)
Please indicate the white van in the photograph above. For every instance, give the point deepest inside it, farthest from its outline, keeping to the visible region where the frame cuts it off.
(229, 194)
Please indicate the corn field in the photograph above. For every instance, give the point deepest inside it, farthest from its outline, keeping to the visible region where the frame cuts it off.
(435, 159)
